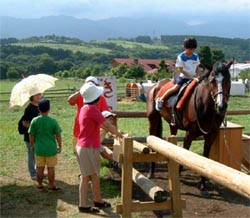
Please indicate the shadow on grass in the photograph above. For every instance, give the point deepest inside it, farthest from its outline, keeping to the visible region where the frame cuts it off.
(27, 201)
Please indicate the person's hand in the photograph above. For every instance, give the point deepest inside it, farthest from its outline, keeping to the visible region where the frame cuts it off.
(119, 134)
(32, 148)
(59, 149)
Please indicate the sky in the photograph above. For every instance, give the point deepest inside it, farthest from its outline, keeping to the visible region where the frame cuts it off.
(102, 9)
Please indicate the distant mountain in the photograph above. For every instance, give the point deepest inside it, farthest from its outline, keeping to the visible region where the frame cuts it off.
(222, 26)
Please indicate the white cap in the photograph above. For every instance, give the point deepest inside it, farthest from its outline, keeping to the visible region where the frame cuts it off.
(92, 79)
(107, 114)
(90, 92)
(34, 91)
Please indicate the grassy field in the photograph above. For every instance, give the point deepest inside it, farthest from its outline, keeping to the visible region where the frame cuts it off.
(19, 197)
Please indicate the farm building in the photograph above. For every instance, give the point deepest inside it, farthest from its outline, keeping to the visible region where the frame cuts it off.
(235, 69)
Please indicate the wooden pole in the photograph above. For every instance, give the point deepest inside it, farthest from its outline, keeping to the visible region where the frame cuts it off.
(174, 183)
(127, 151)
(154, 192)
(226, 176)
(141, 147)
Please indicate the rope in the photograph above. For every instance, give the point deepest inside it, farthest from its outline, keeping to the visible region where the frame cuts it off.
(232, 158)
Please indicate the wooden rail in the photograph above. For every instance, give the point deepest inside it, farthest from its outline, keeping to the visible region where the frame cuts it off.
(226, 176)
(143, 114)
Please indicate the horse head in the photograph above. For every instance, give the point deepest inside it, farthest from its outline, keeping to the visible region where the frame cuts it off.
(220, 81)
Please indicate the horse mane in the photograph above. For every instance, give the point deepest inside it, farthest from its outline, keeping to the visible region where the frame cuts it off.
(222, 68)
(218, 67)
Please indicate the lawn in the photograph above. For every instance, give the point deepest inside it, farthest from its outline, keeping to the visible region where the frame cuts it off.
(19, 197)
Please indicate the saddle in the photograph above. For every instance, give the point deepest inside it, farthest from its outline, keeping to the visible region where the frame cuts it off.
(178, 100)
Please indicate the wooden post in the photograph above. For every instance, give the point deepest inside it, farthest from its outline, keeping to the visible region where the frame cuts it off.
(226, 176)
(127, 150)
(174, 183)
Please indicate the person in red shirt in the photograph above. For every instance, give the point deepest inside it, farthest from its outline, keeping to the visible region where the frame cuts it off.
(88, 147)
(77, 99)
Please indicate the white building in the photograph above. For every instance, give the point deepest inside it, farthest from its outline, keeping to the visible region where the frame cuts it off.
(235, 69)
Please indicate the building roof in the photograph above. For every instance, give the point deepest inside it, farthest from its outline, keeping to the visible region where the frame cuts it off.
(149, 65)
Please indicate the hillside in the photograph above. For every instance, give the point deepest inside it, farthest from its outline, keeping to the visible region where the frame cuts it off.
(71, 56)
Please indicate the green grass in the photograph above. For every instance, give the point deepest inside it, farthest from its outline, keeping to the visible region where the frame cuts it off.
(18, 192)
(89, 49)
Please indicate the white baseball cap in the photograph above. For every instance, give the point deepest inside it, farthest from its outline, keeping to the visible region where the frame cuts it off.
(90, 92)
(92, 79)
(107, 114)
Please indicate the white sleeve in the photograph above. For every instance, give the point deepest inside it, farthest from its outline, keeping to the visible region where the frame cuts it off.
(179, 62)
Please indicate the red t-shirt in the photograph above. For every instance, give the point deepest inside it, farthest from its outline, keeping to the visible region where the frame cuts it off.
(102, 105)
(90, 120)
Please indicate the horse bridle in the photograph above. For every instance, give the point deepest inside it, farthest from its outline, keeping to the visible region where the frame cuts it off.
(213, 96)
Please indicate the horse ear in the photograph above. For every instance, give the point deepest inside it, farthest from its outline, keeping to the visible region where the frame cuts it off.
(229, 63)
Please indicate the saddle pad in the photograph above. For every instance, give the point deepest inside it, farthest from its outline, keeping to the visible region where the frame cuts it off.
(164, 88)
(186, 94)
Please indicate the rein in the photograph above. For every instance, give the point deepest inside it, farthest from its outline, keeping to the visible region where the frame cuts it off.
(197, 117)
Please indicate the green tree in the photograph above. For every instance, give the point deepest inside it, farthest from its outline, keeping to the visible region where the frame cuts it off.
(205, 55)
(244, 74)
(12, 73)
(217, 55)
(46, 64)
(135, 72)
(120, 70)
(163, 71)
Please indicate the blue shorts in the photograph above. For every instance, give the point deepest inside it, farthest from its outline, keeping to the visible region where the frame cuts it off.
(180, 81)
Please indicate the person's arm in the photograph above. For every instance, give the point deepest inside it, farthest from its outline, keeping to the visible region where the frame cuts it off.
(106, 125)
(72, 98)
(59, 142)
(186, 74)
(32, 141)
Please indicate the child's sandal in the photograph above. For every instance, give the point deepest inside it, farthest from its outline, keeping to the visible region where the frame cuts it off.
(88, 210)
(54, 189)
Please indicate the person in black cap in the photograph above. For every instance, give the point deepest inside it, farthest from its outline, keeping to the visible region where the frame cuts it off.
(45, 140)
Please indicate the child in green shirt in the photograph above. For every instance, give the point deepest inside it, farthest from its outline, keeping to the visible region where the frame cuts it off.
(45, 140)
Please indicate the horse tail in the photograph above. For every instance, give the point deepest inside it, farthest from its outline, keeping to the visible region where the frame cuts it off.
(154, 117)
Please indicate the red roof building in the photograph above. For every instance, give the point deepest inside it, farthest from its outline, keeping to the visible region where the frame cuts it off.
(149, 65)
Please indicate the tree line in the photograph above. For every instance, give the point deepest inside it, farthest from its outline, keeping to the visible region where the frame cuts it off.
(20, 61)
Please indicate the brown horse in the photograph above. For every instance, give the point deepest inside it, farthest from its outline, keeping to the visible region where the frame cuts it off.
(202, 113)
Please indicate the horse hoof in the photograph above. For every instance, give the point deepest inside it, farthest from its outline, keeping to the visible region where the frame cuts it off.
(205, 194)
(150, 176)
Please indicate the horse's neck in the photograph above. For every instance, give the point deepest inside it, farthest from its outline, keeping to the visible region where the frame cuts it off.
(203, 97)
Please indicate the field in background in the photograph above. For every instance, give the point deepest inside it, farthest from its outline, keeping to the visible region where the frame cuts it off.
(19, 197)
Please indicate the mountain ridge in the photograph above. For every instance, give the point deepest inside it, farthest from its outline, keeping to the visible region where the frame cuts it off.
(87, 30)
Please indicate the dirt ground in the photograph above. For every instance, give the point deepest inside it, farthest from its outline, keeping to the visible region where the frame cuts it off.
(19, 197)
(223, 203)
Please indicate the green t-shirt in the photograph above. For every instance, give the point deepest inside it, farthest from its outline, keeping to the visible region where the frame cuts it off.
(44, 128)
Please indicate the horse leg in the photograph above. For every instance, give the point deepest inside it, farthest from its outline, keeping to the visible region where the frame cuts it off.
(208, 141)
(155, 128)
(187, 143)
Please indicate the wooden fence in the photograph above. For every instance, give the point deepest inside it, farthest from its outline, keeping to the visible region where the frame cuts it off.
(123, 152)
